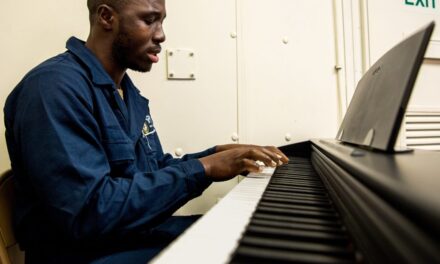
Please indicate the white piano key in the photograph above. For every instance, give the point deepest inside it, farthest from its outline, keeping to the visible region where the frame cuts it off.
(214, 237)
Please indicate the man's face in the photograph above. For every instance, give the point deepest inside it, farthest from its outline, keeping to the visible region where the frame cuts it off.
(140, 32)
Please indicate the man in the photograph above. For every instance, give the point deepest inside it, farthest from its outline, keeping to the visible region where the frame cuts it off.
(93, 184)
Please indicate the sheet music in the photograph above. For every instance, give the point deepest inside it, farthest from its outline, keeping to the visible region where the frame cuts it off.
(215, 236)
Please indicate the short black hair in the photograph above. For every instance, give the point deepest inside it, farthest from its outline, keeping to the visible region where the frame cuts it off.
(93, 5)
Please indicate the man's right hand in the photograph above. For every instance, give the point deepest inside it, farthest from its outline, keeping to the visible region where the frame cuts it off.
(225, 165)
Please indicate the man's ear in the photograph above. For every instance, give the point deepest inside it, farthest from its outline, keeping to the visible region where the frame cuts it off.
(105, 17)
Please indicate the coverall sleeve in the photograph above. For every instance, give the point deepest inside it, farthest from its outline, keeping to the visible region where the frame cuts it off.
(167, 159)
(61, 150)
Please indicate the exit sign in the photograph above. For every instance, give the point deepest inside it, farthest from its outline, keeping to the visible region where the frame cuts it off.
(422, 3)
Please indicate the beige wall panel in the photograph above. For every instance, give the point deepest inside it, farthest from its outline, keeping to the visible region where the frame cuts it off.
(32, 31)
(288, 79)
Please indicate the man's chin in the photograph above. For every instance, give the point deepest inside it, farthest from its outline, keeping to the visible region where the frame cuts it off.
(140, 70)
(143, 68)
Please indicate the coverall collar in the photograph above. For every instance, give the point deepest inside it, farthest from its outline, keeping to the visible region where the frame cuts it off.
(98, 73)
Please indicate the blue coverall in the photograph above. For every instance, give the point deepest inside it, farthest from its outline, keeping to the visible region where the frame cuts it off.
(89, 167)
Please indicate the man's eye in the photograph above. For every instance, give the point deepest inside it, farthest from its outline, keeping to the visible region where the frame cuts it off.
(150, 20)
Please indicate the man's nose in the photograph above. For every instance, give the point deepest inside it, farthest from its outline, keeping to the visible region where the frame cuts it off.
(159, 34)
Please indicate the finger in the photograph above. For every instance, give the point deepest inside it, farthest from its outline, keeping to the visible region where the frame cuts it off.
(258, 154)
(251, 165)
(283, 157)
(276, 158)
(280, 154)
(276, 155)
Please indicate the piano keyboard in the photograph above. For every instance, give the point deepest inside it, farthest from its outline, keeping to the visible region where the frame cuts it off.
(295, 222)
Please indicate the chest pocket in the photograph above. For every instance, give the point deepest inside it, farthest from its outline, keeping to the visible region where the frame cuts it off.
(117, 145)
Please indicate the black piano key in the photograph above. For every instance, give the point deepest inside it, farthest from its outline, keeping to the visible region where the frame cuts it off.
(293, 225)
(297, 163)
(245, 254)
(296, 219)
(294, 212)
(297, 234)
(269, 198)
(298, 174)
(298, 166)
(312, 189)
(297, 182)
(296, 196)
(296, 190)
(292, 179)
(277, 243)
(328, 210)
(303, 189)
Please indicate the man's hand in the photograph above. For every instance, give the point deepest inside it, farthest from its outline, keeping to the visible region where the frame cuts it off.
(274, 149)
(231, 160)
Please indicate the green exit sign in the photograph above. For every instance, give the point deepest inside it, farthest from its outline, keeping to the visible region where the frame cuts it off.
(422, 3)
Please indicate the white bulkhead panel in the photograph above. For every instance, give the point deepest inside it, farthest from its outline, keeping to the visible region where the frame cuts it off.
(41, 33)
(287, 83)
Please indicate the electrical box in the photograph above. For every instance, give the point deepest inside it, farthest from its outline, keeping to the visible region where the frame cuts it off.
(181, 64)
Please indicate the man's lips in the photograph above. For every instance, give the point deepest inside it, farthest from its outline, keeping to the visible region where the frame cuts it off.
(152, 54)
(153, 57)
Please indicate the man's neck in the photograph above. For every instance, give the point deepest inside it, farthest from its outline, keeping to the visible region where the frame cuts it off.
(104, 55)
